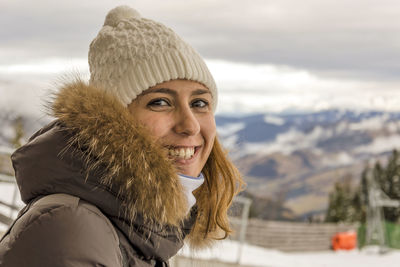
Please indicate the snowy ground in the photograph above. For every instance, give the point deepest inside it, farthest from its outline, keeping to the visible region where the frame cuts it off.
(6, 195)
(227, 251)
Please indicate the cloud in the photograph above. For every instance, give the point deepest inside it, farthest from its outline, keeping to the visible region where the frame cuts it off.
(26, 88)
(243, 88)
(266, 56)
(326, 37)
(46, 66)
(272, 88)
(24, 95)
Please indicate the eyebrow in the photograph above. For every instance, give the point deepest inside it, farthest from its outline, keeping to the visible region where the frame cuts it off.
(173, 92)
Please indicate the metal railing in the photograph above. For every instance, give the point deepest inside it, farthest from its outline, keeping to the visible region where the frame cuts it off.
(242, 221)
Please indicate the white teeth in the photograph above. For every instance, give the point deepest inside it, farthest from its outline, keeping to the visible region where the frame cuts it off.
(188, 153)
(183, 153)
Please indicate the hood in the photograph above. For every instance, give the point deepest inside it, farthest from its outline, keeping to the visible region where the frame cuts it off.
(97, 151)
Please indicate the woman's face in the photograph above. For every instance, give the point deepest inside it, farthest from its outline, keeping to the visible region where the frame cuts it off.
(179, 114)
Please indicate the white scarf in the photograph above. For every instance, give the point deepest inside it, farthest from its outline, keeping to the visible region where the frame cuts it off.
(190, 184)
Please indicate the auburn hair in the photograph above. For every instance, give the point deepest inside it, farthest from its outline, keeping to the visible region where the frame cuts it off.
(222, 182)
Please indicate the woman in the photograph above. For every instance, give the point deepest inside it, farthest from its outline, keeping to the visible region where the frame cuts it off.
(131, 166)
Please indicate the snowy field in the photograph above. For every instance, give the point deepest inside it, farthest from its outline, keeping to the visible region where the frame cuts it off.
(227, 251)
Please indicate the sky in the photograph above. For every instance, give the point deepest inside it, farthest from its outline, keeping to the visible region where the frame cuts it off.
(266, 56)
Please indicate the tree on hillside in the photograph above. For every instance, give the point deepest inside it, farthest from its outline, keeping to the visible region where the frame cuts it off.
(390, 184)
(348, 205)
(18, 126)
(360, 199)
(341, 202)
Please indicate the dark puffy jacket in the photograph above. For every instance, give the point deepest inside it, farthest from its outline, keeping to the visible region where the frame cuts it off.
(99, 192)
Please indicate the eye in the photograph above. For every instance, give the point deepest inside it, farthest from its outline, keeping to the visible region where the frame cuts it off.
(158, 103)
(200, 103)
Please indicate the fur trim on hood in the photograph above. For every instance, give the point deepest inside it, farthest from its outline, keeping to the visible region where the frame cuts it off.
(135, 164)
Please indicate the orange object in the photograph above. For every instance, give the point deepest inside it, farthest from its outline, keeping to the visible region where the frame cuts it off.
(344, 240)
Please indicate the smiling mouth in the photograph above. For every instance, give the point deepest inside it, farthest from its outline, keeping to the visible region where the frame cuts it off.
(182, 152)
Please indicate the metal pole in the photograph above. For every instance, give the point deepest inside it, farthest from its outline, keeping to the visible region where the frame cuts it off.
(243, 225)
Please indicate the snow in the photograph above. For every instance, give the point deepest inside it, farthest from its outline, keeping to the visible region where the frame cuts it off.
(227, 251)
(230, 128)
(375, 123)
(6, 195)
(380, 145)
(289, 141)
(274, 120)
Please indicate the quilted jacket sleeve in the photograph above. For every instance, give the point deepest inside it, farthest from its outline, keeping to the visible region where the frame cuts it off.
(60, 236)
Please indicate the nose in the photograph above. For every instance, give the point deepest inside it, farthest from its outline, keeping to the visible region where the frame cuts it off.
(186, 122)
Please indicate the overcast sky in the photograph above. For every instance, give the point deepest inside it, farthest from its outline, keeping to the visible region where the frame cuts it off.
(266, 56)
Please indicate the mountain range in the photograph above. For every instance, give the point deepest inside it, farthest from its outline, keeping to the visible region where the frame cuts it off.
(289, 161)
(296, 158)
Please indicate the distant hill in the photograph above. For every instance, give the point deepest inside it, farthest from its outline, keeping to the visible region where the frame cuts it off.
(300, 156)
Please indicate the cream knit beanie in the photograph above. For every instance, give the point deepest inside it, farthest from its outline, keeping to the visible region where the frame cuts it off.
(131, 54)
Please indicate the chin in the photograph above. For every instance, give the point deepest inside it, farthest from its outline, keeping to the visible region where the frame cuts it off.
(187, 172)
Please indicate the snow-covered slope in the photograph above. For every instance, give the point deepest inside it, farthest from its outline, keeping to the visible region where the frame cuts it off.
(227, 251)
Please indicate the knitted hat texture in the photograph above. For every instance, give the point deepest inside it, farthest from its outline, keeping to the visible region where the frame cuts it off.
(131, 54)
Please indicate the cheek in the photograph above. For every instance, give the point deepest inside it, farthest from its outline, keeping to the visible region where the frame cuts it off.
(157, 126)
(209, 131)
